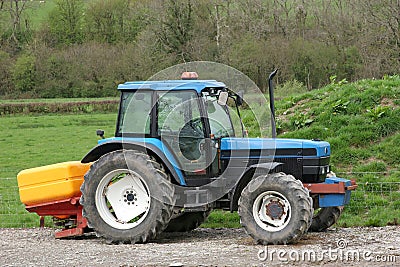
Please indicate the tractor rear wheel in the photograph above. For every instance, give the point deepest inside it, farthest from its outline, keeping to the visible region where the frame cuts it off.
(275, 209)
(325, 218)
(187, 221)
(127, 197)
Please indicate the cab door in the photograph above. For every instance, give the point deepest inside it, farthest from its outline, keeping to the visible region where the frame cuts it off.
(181, 127)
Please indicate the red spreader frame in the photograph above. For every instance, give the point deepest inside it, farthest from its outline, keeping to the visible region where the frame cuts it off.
(67, 208)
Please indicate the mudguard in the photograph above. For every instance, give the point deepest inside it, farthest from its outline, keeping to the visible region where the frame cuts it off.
(246, 178)
(152, 145)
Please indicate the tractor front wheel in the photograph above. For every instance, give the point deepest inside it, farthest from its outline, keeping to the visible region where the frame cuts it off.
(275, 209)
(127, 197)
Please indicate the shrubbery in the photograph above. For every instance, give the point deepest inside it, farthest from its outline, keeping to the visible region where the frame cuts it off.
(59, 107)
(83, 49)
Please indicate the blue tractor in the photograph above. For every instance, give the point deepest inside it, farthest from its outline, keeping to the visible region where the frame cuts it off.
(177, 154)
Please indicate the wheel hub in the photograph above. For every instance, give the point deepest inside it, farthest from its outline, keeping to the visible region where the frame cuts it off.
(272, 211)
(122, 199)
(130, 197)
(275, 209)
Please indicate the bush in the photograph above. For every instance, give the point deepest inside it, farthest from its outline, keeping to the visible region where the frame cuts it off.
(59, 107)
(88, 70)
(24, 73)
(6, 84)
(289, 88)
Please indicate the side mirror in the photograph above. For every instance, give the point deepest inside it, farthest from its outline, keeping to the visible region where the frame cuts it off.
(100, 133)
(239, 98)
(222, 98)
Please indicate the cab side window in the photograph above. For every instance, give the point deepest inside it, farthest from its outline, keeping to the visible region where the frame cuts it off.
(135, 113)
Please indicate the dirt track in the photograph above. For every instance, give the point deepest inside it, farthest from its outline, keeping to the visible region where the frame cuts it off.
(203, 247)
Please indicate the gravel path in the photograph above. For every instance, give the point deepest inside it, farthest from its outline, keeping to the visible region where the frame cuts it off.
(378, 246)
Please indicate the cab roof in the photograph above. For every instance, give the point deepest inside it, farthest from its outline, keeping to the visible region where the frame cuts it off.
(166, 85)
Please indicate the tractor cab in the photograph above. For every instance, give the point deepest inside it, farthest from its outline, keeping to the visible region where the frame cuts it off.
(188, 116)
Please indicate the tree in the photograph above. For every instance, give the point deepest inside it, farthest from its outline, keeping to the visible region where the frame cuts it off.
(380, 36)
(114, 21)
(19, 29)
(177, 28)
(65, 21)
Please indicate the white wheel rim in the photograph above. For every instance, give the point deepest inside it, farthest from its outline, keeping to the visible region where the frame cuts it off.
(122, 199)
(272, 211)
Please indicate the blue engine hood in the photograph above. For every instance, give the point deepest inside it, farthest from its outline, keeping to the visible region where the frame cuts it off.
(232, 143)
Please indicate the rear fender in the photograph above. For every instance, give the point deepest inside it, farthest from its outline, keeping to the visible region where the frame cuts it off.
(246, 178)
(161, 153)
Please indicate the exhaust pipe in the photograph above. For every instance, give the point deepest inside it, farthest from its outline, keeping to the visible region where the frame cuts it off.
(272, 102)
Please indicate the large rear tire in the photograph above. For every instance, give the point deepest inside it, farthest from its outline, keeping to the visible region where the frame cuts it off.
(275, 209)
(325, 218)
(187, 221)
(127, 197)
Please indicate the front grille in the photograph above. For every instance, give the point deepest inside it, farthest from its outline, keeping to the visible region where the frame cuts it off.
(291, 166)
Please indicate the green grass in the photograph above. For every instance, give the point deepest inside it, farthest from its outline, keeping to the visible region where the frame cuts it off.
(361, 120)
(28, 142)
(219, 218)
(32, 141)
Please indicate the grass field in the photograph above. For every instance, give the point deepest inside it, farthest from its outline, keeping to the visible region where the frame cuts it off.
(32, 141)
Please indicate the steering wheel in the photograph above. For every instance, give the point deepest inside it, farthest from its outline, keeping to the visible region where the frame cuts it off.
(193, 128)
